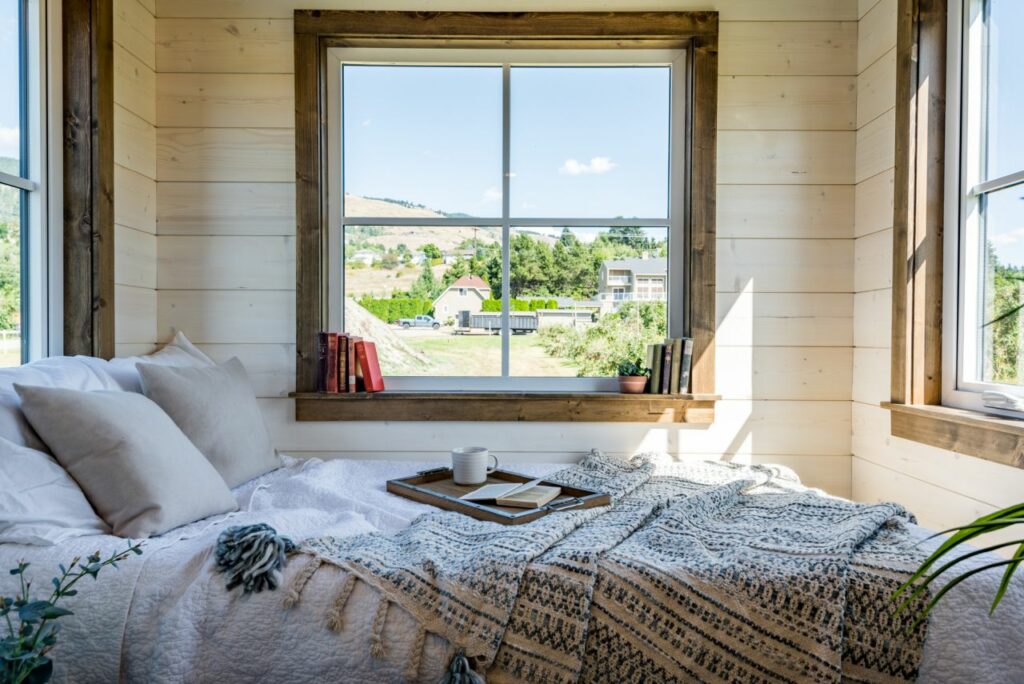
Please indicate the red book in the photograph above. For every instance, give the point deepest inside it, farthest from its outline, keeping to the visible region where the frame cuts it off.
(370, 369)
(342, 362)
(331, 385)
(350, 366)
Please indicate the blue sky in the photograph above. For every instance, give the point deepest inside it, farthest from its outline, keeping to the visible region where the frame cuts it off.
(8, 78)
(585, 142)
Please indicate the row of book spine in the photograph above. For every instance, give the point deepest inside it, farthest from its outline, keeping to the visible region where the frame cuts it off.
(346, 363)
(670, 364)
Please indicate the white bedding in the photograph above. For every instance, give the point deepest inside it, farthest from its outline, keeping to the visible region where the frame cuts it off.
(166, 617)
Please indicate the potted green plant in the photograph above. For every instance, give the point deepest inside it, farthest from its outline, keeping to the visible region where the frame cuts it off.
(632, 377)
(31, 623)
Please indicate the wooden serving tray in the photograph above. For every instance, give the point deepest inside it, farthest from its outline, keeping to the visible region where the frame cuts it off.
(436, 487)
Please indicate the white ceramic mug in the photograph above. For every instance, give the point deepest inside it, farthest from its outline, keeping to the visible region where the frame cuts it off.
(470, 465)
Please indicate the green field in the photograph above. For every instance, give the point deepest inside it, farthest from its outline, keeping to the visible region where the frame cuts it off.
(480, 355)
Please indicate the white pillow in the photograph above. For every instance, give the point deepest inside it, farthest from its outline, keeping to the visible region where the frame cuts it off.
(39, 502)
(138, 470)
(178, 352)
(216, 408)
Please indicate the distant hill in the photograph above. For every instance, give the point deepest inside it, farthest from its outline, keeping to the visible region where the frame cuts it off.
(8, 165)
(9, 197)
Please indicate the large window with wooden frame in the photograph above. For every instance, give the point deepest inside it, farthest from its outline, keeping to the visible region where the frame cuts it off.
(495, 192)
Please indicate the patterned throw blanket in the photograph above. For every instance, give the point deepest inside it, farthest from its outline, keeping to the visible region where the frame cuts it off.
(718, 573)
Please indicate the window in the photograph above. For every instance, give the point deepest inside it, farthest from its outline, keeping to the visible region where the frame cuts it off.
(506, 219)
(22, 205)
(988, 197)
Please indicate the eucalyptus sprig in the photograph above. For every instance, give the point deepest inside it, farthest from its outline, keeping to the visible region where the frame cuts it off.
(919, 582)
(31, 624)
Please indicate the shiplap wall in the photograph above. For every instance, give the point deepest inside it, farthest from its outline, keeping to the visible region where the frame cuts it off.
(135, 198)
(943, 488)
(788, 119)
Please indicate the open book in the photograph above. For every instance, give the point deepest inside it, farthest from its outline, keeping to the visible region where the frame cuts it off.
(530, 494)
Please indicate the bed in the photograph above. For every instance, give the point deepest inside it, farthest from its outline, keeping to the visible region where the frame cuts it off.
(166, 617)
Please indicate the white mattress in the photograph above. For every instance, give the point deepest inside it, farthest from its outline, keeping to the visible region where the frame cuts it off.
(165, 616)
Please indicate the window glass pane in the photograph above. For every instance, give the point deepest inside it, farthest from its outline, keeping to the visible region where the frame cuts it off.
(11, 205)
(422, 140)
(1005, 87)
(426, 297)
(584, 299)
(590, 142)
(10, 87)
(1002, 325)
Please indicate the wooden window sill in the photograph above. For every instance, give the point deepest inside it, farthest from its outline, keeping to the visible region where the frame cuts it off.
(993, 438)
(552, 407)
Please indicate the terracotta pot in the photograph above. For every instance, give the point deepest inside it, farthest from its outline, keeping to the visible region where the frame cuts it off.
(632, 384)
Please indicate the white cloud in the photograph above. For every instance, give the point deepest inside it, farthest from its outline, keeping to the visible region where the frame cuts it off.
(367, 122)
(9, 142)
(491, 195)
(596, 166)
(1010, 238)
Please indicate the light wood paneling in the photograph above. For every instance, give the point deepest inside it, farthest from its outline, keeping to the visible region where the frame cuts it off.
(871, 375)
(134, 257)
(134, 85)
(134, 349)
(150, 6)
(229, 316)
(876, 146)
(134, 143)
(135, 30)
(768, 266)
(134, 200)
(872, 261)
(785, 211)
(809, 373)
(271, 367)
(876, 89)
(227, 263)
(136, 314)
(864, 6)
(787, 103)
(226, 209)
(877, 34)
(786, 157)
(225, 154)
(226, 100)
(873, 208)
(231, 46)
(756, 319)
(872, 313)
(807, 48)
(749, 10)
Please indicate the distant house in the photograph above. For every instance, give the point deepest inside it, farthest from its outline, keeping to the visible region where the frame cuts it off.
(418, 259)
(636, 279)
(365, 257)
(465, 294)
(452, 257)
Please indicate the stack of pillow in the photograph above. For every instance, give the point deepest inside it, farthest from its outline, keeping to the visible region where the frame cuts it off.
(133, 447)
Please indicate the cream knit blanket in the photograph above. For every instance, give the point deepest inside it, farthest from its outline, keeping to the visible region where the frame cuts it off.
(725, 574)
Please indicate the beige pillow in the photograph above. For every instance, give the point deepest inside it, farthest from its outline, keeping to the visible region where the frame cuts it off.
(216, 408)
(141, 474)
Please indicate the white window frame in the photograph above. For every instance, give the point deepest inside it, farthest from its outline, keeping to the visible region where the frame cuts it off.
(40, 293)
(676, 213)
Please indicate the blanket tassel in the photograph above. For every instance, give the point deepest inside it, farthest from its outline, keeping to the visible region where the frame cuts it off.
(377, 637)
(336, 620)
(299, 583)
(460, 671)
(412, 668)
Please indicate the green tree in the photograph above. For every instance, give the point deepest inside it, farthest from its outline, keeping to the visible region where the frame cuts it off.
(431, 251)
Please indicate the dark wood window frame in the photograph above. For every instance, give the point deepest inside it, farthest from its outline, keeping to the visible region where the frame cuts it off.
(88, 177)
(916, 408)
(316, 31)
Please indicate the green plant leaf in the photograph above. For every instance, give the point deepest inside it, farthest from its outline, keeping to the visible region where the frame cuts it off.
(1004, 584)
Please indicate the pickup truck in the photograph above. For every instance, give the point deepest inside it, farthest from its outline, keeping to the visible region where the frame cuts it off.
(419, 322)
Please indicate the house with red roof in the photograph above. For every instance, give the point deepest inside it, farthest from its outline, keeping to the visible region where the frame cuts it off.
(465, 294)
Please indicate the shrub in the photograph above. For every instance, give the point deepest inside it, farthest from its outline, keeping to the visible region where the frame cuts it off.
(390, 310)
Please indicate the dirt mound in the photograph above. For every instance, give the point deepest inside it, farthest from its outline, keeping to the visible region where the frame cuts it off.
(395, 356)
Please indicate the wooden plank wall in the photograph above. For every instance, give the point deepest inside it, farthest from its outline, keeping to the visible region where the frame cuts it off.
(135, 198)
(787, 150)
(943, 488)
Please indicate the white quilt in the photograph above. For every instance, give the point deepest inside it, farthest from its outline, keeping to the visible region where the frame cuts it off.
(166, 617)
